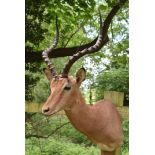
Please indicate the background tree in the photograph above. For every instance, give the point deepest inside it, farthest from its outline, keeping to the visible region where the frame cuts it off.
(78, 24)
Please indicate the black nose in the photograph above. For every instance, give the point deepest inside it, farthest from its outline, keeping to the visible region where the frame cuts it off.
(46, 110)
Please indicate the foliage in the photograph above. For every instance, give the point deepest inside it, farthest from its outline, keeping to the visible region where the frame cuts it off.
(62, 146)
(39, 15)
(40, 29)
(73, 16)
(55, 135)
(30, 81)
(41, 91)
(112, 80)
(39, 126)
(125, 146)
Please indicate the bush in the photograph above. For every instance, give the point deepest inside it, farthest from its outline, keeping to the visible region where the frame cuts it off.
(65, 141)
(30, 81)
(125, 146)
(61, 146)
(38, 125)
(112, 80)
(41, 91)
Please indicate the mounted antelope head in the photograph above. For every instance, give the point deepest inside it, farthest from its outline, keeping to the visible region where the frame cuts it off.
(99, 122)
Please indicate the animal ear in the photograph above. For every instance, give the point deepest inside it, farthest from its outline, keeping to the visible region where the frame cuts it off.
(48, 73)
(80, 75)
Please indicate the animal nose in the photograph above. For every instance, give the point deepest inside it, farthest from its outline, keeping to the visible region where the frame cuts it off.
(45, 110)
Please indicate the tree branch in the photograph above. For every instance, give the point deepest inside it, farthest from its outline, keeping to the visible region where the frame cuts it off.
(47, 136)
(32, 56)
(71, 36)
(59, 52)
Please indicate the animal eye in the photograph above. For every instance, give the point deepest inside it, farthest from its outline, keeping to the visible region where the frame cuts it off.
(67, 87)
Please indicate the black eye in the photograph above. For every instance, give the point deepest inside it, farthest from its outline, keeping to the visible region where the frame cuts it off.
(67, 87)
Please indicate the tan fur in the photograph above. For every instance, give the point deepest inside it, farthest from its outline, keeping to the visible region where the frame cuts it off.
(100, 122)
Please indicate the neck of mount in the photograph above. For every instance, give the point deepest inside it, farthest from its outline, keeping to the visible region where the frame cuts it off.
(79, 113)
(77, 101)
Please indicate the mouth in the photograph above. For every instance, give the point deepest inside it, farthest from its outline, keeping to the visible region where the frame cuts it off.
(50, 113)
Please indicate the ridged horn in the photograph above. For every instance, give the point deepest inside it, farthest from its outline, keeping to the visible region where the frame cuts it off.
(46, 52)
